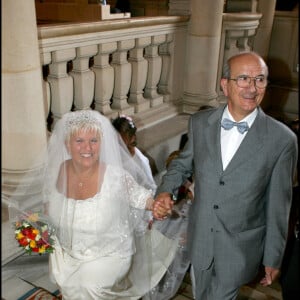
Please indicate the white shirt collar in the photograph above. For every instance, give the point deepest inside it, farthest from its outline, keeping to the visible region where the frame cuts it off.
(249, 119)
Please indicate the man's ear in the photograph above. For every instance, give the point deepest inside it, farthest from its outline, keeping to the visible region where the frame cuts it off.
(224, 83)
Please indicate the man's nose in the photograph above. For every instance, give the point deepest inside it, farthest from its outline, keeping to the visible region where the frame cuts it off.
(252, 84)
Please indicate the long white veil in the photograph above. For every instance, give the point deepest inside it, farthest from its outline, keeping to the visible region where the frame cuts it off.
(150, 250)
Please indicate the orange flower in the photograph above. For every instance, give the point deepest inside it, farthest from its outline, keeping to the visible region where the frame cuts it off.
(35, 231)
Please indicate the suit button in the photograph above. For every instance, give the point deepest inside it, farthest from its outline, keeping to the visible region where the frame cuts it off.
(216, 206)
(222, 182)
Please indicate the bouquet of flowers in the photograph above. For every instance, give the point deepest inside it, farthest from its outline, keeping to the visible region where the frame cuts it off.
(34, 233)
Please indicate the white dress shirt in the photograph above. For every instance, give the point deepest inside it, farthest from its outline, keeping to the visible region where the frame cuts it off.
(231, 139)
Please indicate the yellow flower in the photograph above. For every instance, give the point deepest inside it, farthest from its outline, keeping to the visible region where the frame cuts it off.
(19, 236)
(32, 244)
(42, 249)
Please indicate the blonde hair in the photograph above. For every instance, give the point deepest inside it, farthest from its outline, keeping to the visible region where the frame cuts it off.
(83, 120)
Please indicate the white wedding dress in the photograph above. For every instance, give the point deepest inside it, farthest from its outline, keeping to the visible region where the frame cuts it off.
(121, 265)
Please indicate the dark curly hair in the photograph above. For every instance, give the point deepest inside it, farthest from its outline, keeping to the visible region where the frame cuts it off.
(124, 124)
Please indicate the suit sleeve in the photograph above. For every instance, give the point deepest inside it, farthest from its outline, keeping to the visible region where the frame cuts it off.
(180, 168)
(278, 203)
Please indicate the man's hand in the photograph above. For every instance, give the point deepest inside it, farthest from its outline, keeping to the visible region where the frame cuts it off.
(163, 205)
(270, 275)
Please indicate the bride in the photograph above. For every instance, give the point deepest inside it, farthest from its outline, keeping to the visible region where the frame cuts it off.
(103, 248)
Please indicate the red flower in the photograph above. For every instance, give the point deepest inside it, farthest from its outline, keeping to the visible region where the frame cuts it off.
(28, 232)
(23, 241)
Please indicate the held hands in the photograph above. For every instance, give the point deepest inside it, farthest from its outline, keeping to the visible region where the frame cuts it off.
(162, 206)
(270, 275)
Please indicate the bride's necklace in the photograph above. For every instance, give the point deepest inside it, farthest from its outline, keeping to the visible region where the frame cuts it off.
(84, 181)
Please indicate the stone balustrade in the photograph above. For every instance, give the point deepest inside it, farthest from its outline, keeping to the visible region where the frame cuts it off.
(119, 66)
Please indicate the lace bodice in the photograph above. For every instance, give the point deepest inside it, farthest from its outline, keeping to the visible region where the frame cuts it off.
(101, 225)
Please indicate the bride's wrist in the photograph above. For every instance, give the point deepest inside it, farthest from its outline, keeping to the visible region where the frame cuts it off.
(150, 204)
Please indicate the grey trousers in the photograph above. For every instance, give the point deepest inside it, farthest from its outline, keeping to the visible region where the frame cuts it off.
(207, 285)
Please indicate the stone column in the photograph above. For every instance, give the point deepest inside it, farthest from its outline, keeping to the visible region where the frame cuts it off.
(24, 135)
(203, 43)
(262, 39)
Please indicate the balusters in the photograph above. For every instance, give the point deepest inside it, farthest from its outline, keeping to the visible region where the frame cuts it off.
(122, 77)
(84, 78)
(243, 43)
(163, 86)
(61, 83)
(104, 81)
(154, 70)
(131, 73)
(139, 74)
(230, 46)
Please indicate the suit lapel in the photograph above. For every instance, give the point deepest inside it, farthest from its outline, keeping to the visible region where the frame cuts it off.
(212, 137)
(251, 144)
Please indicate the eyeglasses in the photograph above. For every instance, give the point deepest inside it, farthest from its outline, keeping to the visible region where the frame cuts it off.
(244, 81)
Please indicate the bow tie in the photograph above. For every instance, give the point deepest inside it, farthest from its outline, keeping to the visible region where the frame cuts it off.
(228, 124)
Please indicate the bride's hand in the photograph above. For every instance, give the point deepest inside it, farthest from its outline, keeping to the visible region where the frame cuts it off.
(162, 206)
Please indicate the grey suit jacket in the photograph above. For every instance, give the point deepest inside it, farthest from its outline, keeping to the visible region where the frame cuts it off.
(239, 216)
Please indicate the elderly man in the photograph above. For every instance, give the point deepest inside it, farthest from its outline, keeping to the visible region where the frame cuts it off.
(243, 163)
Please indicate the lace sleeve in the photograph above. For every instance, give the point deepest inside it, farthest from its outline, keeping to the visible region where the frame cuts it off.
(139, 197)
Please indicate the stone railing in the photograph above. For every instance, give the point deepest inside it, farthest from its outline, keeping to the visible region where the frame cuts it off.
(119, 66)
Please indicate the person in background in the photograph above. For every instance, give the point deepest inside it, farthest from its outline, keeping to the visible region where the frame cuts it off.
(127, 130)
(244, 163)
